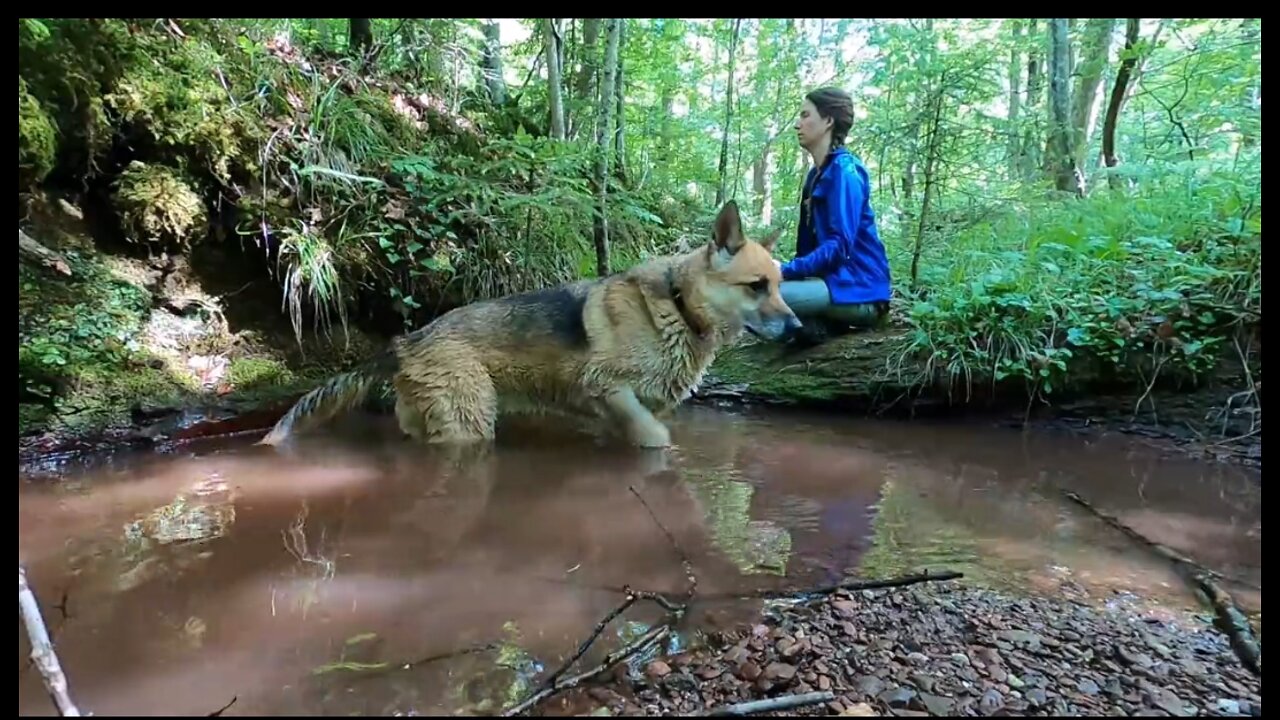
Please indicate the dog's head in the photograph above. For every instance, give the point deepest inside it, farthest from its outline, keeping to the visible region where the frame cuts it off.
(741, 285)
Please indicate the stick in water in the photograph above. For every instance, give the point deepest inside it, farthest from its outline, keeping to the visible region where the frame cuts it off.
(42, 654)
(784, 702)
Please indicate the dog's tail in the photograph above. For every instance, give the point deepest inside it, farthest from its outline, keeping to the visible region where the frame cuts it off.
(337, 395)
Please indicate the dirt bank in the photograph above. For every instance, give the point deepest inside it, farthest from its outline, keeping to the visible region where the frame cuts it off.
(947, 649)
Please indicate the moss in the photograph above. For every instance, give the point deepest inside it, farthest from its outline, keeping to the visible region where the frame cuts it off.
(32, 417)
(178, 102)
(157, 204)
(81, 364)
(102, 396)
(254, 373)
(37, 139)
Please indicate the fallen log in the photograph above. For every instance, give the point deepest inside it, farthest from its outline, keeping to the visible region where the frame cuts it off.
(32, 250)
(870, 371)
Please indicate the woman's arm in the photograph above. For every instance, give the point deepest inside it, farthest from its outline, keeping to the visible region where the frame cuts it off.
(837, 226)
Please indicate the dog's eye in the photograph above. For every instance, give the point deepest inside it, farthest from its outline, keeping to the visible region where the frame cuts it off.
(759, 286)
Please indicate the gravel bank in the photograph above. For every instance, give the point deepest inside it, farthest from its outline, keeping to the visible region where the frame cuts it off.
(950, 650)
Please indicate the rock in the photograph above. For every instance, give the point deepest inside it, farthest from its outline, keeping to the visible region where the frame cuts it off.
(991, 701)
(922, 681)
(680, 682)
(868, 685)
(918, 659)
(1168, 701)
(960, 659)
(779, 671)
(824, 682)
(749, 671)
(898, 697)
(1037, 697)
(998, 674)
(937, 705)
(859, 710)
(846, 608)
(1227, 707)
(1088, 687)
(658, 669)
(988, 656)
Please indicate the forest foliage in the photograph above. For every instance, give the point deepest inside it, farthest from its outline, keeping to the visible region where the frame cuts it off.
(1056, 195)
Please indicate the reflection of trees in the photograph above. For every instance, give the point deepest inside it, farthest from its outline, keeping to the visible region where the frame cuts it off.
(753, 546)
(911, 536)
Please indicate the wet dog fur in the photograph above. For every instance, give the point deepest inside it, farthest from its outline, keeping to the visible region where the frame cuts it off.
(615, 352)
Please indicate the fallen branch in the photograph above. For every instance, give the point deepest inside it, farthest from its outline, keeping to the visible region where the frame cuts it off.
(784, 702)
(46, 660)
(1228, 616)
(224, 708)
(586, 644)
(684, 557)
(860, 585)
(776, 594)
(614, 658)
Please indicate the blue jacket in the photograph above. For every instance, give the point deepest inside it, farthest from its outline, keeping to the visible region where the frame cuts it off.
(838, 241)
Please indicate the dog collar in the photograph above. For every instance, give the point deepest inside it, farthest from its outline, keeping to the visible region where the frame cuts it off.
(678, 298)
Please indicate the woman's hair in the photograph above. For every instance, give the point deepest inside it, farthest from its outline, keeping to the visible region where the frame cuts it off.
(836, 104)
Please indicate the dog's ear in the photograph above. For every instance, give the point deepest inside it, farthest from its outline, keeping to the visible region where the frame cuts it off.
(771, 240)
(727, 232)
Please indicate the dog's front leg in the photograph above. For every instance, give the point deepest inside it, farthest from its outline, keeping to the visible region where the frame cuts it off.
(642, 427)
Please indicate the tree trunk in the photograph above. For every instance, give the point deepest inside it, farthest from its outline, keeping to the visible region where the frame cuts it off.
(1118, 92)
(360, 35)
(1096, 48)
(762, 186)
(584, 86)
(555, 84)
(1062, 157)
(620, 91)
(492, 63)
(932, 155)
(728, 116)
(604, 146)
(1015, 99)
(1030, 142)
(1252, 32)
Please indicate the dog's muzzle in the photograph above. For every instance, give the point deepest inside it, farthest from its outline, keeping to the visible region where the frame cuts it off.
(775, 328)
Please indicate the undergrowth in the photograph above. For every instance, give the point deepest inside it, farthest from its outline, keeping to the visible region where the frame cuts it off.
(355, 185)
(1115, 287)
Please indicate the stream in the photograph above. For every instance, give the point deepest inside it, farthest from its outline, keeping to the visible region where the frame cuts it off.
(344, 573)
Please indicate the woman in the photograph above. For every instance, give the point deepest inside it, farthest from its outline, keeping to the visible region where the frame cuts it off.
(840, 273)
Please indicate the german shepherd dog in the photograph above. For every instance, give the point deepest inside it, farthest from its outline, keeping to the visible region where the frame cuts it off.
(610, 351)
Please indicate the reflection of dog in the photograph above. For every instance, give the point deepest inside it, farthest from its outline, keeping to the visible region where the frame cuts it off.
(616, 349)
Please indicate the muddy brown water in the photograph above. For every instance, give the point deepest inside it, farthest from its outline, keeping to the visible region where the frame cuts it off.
(331, 576)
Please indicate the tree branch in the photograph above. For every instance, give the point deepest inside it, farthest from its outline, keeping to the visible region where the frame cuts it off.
(46, 660)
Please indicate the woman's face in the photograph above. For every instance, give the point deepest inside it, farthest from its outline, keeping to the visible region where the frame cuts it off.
(810, 126)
